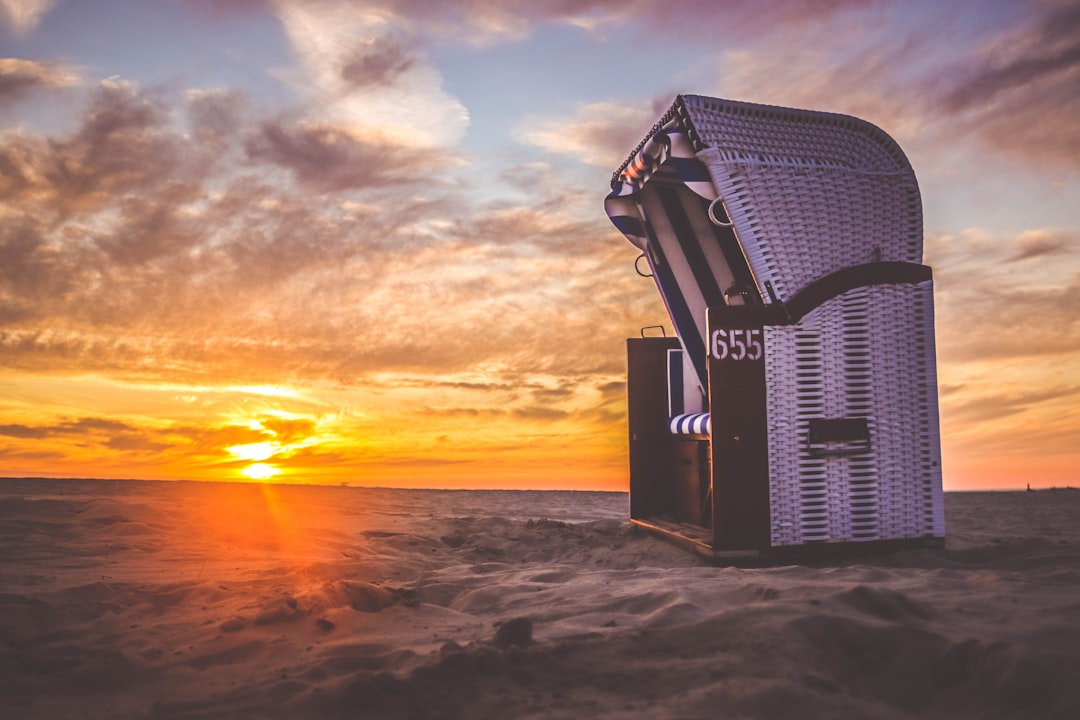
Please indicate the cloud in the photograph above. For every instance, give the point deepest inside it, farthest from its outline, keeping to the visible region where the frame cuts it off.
(991, 321)
(216, 115)
(381, 63)
(23, 453)
(540, 412)
(332, 158)
(179, 236)
(600, 134)
(1002, 297)
(135, 444)
(365, 64)
(361, 73)
(1014, 92)
(23, 16)
(19, 78)
(997, 405)
(212, 440)
(86, 426)
(122, 145)
(135, 231)
(616, 388)
(1020, 92)
(511, 20)
(1043, 52)
(256, 250)
(289, 429)
(1039, 243)
(24, 432)
(101, 214)
(201, 444)
(770, 53)
(854, 73)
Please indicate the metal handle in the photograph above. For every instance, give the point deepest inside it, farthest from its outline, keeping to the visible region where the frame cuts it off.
(638, 269)
(838, 437)
(717, 221)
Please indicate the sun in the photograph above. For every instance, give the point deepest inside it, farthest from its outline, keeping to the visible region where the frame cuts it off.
(260, 471)
(256, 452)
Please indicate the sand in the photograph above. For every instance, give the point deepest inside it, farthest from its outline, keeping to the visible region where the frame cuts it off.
(186, 600)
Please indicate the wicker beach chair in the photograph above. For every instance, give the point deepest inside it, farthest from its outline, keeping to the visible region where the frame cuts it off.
(798, 404)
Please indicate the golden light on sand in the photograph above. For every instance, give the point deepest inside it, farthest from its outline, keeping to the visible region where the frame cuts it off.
(260, 471)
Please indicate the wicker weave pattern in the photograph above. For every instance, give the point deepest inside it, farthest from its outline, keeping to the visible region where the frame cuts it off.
(798, 227)
(809, 192)
(867, 353)
(765, 134)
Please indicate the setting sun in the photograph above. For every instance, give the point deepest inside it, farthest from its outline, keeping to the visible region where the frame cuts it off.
(260, 471)
(254, 451)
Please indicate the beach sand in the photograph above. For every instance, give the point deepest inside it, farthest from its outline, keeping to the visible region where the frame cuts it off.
(199, 600)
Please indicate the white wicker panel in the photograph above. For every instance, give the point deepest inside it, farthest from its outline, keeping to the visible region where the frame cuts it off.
(867, 353)
(751, 132)
(798, 225)
(798, 484)
(808, 192)
(784, 505)
(861, 471)
(909, 441)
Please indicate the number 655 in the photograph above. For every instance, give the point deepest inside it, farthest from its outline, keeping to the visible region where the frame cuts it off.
(737, 344)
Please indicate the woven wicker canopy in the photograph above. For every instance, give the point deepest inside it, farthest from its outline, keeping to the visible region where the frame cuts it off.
(734, 202)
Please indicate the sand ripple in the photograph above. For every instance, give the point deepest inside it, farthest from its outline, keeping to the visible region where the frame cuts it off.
(122, 600)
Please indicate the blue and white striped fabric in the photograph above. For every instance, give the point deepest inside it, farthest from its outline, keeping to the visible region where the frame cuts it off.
(667, 143)
(668, 222)
(691, 424)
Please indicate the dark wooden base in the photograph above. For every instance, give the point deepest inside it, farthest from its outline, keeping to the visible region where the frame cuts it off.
(698, 540)
(695, 538)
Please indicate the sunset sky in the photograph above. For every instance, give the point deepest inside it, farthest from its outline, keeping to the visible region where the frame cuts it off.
(364, 242)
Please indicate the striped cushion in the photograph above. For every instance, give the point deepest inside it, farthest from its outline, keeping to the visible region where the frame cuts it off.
(690, 424)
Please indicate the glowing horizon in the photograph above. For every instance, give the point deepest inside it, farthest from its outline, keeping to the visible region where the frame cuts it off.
(320, 242)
